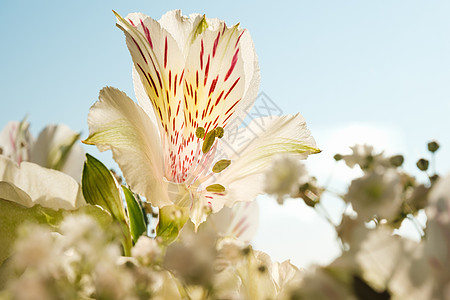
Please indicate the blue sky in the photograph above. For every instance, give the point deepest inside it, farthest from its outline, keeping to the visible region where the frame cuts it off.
(350, 67)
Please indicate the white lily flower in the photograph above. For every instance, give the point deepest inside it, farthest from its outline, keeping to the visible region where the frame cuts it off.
(195, 78)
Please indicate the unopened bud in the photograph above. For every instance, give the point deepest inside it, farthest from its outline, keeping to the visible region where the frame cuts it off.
(396, 160)
(433, 146)
(422, 164)
(337, 157)
(434, 178)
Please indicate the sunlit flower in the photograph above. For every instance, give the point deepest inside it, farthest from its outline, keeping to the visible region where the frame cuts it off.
(376, 194)
(285, 176)
(195, 79)
(364, 156)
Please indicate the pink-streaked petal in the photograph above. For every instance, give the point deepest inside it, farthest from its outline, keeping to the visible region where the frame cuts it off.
(118, 123)
(160, 65)
(252, 149)
(215, 79)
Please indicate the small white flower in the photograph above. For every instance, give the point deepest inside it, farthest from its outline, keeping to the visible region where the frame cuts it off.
(146, 250)
(376, 194)
(285, 176)
(364, 156)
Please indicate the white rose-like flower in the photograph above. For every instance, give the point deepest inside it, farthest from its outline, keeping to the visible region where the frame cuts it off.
(285, 176)
(376, 193)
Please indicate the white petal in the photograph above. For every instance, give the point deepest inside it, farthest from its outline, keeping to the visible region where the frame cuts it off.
(51, 140)
(252, 148)
(180, 27)
(160, 64)
(118, 123)
(49, 188)
(219, 70)
(240, 221)
(142, 97)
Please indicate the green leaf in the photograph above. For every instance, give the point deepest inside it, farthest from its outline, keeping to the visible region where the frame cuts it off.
(99, 188)
(13, 215)
(171, 219)
(135, 215)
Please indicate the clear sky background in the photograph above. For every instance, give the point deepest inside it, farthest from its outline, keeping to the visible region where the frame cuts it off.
(358, 71)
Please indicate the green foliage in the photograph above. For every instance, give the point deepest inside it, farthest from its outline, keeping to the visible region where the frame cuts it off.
(135, 215)
(13, 215)
(99, 188)
(171, 220)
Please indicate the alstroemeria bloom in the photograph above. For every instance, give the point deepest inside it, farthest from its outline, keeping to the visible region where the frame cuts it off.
(195, 78)
(55, 148)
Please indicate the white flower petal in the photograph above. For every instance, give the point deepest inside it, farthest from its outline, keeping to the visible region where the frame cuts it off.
(49, 188)
(219, 69)
(119, 124)
(49, 147)
(142, 98)
(180, 27)
(241, 221)
(251, 150)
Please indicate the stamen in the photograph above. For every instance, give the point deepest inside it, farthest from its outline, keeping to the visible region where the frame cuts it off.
(219, 132)
(221, 165)
(209, 141)
(200, 132)
(215, 188)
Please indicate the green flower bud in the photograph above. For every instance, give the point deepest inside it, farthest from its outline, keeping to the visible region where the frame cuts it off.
(396, 160)
(422, 164)
(337, 157)
(433, 146)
